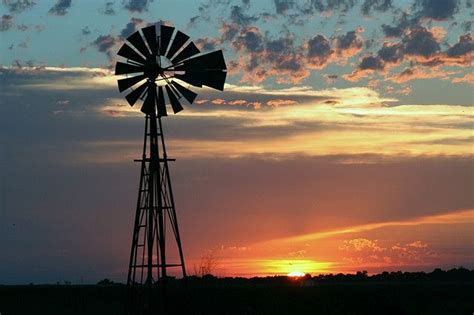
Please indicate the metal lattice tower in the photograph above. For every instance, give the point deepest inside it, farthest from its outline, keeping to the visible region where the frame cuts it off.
(163, 64)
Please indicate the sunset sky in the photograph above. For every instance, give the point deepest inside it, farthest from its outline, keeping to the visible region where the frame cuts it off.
(343, 140)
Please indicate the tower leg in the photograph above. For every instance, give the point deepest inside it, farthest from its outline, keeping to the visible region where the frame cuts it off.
(148, 267)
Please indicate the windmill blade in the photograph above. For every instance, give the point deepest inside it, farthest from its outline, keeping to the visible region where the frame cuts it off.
(124, 84)
(215, 79)
(186, 93)
(166, 33)
(160, 102)
(133, 96)
(179, 40)
(125, 68)
(150, 36)
(191, 78)
(211, 78)
(128, 52)
(137, 41)
(175, 104)
(213, 60)
(188, 51)
(149, 104)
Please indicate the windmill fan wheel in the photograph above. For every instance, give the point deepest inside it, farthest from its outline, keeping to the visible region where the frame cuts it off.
(159, 63)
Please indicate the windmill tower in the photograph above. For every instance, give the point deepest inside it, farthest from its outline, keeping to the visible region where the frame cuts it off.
(161, 66)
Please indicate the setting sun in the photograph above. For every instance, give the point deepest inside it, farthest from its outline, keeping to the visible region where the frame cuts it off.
(296, 274)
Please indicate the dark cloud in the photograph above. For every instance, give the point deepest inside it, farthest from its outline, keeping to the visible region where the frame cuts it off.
(136, 5)
(229, 31)
(206, 44)
(437, 9)
(376, 5)
(131, 27)
(85, 31)
(6, 23)
(238, 16)
(318, 50)
(463, 47)
(61, 7)
(281, 52)
(249, 39)
(420, 42)
(18, 6)
(193, 21)
(349, 43)
(312, 6)
(466, 26)
(282, 6)
(22, 27)
(105, 43)
(401, 24)
(371, 63)
(391, 53)
(347, 40)
(109, 8)
(23, 45)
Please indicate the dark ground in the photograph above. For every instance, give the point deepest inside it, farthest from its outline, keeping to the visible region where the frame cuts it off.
(247, 297)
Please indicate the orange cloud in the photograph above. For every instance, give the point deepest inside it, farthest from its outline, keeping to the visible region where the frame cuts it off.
(218, 101)
(468, 78)
(281, 102)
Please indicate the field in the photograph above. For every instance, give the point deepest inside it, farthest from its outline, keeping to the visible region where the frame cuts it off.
(220, 297)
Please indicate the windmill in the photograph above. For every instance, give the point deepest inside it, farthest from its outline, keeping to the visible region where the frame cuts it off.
(159, 70)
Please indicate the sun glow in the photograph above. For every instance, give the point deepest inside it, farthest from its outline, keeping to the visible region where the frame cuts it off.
(296, 274)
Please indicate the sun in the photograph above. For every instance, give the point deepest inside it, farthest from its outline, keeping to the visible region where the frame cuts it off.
(296, 274)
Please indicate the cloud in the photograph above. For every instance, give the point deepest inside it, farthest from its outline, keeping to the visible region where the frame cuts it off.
(361, 244)
(18, 6)
(238, 16)
(86, 31)
(106, 44)
(131, 27)
(318, 51)
(250, 39)
(61, 7)
(109, 8)
(417, 73)
(6, 23)
(376, 5)
(281, 102)
(420, 42)
(371, 63)
(462, 51)
(436, 10)
(391, 53)
(349, 44)
(207, 44)
(364, 251)
(22, 27)
(282, 6)
(402, 23)
(327, 6)
(355, 120)
(468, 78)
(138, 6)
(283, 57)
(265, 56)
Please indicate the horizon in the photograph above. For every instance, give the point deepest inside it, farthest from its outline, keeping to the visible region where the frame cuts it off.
(342, 141)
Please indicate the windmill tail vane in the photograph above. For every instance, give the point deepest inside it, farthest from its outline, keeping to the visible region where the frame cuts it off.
(159, 69)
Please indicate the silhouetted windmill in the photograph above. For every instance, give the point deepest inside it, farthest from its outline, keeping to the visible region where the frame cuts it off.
(160, 64)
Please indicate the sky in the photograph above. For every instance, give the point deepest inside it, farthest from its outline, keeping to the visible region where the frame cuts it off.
(343, 139)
